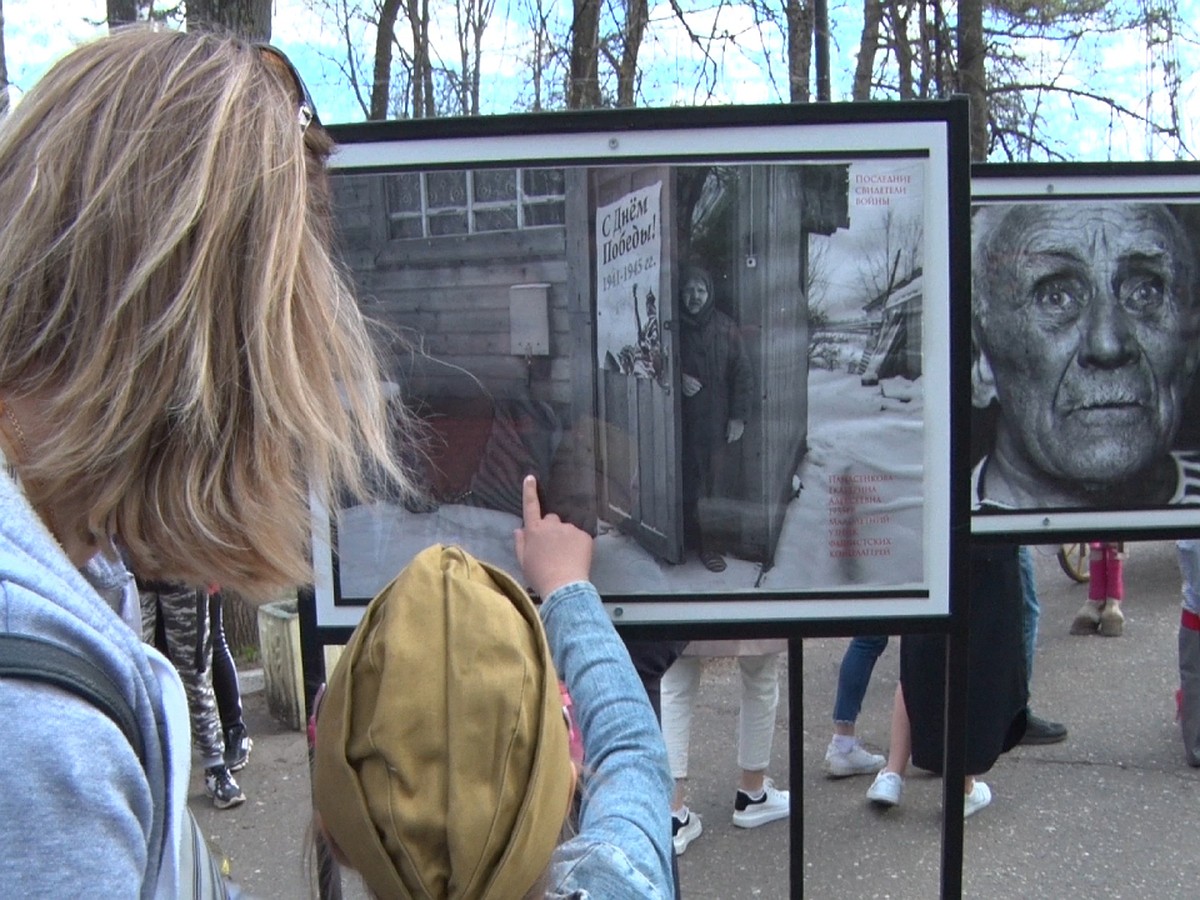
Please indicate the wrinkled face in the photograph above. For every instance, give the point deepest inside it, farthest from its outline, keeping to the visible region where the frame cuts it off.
(1087, 331)
(694, 294)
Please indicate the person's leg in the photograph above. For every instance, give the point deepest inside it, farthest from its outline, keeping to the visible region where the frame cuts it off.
(900, 742)
(888, 786)
(651, 659)
(1037, 729)
(1031, 606)
(1189, 685)
(845, 755)
(756, 718)
(679, 687)
(1112, 618)
(692, 480)
(184, 615)
(1087, 620)
(228, 689)
(151, 632)
(224, 670)
(680, 684)
(710, 463)
(1188, 698)
(854, 674)
(757, 800)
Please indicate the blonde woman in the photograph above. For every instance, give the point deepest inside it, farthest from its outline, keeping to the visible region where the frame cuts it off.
(181, 364)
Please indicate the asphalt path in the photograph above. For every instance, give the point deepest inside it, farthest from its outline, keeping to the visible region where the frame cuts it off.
(1109, 813)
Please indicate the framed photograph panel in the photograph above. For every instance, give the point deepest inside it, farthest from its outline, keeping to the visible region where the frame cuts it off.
(1085, 347)
(720, 338)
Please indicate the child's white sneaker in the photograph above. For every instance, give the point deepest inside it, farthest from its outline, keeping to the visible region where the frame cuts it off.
(685, 828)
(980, 796)
(858, 760)
(772, 804)
(886, 789)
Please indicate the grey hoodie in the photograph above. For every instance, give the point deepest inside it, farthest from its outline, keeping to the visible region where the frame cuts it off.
(80, 816)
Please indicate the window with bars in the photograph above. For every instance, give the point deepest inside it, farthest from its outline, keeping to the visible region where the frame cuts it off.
(473, 201)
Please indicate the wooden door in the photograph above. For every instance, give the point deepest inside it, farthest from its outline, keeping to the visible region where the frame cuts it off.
(638, 422)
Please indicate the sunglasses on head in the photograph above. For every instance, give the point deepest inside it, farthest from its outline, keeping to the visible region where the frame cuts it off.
(306, 112)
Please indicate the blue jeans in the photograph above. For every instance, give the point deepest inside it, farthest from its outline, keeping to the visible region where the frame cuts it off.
(1033, 609)
(855, 673)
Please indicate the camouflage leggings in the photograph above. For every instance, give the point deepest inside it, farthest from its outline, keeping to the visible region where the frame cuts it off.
(175, 620)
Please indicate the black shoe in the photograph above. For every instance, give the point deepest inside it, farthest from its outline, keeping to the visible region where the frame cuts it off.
(1039, 731)
(219, 785)
(237, 748)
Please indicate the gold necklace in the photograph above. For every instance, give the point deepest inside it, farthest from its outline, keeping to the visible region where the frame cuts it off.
(18, 431)
(23, 456)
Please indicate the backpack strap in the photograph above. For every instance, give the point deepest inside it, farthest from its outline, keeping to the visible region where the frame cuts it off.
(37, 659)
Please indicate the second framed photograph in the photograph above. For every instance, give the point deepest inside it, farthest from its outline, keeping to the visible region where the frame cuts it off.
(1085, 349)
(719, 338)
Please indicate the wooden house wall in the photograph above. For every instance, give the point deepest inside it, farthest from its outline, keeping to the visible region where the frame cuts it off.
(449, 298)
(914, 316)
(446, 302)
(774, 317)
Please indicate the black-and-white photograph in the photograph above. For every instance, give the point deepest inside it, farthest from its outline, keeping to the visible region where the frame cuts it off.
(1085, 349)
(717, 368)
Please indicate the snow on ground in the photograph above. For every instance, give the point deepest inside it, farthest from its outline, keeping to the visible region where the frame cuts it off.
(859, 518)
(857, 521)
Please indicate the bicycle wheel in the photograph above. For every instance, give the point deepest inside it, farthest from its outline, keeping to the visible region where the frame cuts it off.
(1073, 558)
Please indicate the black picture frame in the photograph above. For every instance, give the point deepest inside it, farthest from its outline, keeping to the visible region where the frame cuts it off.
(481, 356)
(1110, 499)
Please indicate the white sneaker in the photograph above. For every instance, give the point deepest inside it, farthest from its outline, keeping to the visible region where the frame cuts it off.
(980, 796)
(886, 789)
(685, 830)
(772, 805)
(856, 761)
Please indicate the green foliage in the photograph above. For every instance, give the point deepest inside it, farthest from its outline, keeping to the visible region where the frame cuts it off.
(249, 656)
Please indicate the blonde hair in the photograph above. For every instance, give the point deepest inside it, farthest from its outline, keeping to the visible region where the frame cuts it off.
(170, 300)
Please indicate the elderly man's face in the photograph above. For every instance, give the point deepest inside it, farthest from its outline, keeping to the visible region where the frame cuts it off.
(1087, 335)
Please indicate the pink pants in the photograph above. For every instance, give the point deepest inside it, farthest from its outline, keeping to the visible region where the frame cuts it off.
(1106, 571)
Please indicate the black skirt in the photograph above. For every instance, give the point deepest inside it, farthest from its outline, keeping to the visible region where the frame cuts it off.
(997, 686)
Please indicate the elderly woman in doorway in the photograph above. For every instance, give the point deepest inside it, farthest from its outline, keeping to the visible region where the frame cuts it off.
(718, 387)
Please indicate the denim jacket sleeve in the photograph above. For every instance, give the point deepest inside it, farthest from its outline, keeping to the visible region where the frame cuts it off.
(623, 845)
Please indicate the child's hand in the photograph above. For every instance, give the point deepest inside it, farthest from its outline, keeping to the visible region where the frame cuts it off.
(551, 552)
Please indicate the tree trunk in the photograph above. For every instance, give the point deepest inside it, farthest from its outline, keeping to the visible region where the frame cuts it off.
(800, 25)
(472, 21)
(250, 19)
(868, 46)
(636, 17)
(239, 618)
(120, 12)
(898, 15)
(926, 44)
(3, 68)
(423, 101)
(970, 73)
(381, 81)
(541, 41)
(583, 92)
